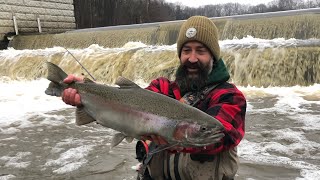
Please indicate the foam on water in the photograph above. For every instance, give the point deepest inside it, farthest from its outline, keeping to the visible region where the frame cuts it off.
(70, 160)
(309, 174)
(259, 153)
(19, 99)
(311, 121)
(283, 146)
(290, 99)
(7, 177)
(249, 41)
(16, 161)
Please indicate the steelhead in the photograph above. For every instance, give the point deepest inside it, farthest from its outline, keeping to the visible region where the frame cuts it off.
(134, 111)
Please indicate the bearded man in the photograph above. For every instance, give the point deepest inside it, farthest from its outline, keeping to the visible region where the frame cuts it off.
(201, 81)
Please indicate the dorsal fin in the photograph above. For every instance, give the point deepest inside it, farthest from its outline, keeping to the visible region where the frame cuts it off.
(125, 83)
(87, 80)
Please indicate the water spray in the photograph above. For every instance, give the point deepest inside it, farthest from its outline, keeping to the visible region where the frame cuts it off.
(80, 63)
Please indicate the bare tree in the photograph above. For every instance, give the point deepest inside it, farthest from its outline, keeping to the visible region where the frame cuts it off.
(317, 3)
(95, 13)
(260, 8)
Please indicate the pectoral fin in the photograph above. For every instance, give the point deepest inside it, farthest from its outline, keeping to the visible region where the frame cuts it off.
(83, 117)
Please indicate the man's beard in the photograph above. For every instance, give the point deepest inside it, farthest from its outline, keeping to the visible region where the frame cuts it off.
(194, 81)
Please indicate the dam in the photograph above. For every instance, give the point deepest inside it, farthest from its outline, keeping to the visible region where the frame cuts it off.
(35, 17)
(298, 24)
(291, 56)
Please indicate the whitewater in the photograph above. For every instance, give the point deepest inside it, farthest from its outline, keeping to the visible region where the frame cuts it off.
(39, 138)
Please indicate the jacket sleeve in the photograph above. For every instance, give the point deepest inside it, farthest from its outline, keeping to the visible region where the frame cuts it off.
(228, 105)
(155, 85)
(164, 86)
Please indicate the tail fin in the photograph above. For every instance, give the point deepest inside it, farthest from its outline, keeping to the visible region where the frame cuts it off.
(55, 75)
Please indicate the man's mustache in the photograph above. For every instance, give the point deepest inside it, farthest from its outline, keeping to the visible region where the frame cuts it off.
(195, 65)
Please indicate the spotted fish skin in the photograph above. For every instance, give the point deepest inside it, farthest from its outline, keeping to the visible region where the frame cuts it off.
(134, 111)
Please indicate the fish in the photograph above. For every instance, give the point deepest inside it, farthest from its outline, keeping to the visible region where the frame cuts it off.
(134, 112)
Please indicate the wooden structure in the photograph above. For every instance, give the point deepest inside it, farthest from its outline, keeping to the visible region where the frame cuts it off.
(36, 16)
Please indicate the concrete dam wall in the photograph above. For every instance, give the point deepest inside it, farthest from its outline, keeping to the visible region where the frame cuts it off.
(54, 16)
(298, 24)
(287, 54)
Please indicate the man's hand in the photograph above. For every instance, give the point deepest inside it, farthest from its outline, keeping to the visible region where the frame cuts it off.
(70, 96)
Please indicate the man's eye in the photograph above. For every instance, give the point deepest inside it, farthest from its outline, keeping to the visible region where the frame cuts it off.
(202, 50)
(186, 50)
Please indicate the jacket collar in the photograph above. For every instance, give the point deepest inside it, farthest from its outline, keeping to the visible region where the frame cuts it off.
(219, 73)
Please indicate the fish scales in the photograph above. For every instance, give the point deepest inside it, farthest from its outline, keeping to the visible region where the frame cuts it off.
(134, 111)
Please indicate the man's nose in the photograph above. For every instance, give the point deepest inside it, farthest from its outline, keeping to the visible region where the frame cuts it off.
(193, 57)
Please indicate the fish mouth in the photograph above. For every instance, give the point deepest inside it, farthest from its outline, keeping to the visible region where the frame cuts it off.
(205, 140)
(195, 135)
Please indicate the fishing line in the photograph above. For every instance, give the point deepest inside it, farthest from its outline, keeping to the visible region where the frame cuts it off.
(80, 63)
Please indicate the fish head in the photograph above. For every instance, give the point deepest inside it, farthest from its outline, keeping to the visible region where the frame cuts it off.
(193, 134)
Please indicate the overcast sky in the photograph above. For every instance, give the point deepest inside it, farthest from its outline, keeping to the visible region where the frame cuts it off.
(197, 3)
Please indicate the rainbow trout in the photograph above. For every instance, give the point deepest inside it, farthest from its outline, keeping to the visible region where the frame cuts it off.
(134, 111)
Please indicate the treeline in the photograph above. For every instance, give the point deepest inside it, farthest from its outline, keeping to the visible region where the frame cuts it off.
(98, 13)
(230, 9)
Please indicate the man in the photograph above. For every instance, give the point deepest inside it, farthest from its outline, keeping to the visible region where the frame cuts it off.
(201, 81)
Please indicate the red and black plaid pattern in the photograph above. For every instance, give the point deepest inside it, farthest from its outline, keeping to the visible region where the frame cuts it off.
(225, 103)
(164, 86)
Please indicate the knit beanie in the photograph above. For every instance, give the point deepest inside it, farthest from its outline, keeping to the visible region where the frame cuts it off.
(202, 29)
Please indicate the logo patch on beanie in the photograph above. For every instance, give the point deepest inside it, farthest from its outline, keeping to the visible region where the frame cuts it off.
(191, 32)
